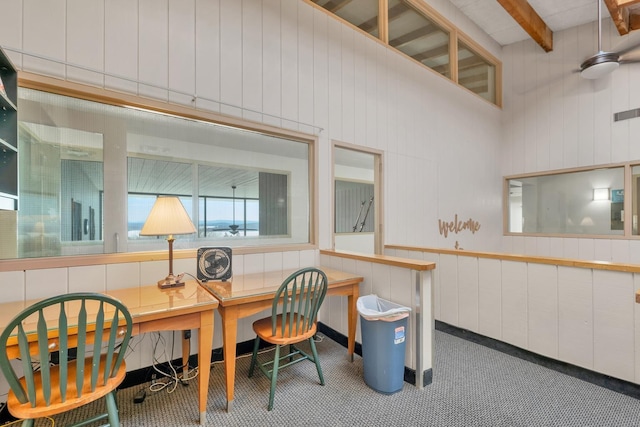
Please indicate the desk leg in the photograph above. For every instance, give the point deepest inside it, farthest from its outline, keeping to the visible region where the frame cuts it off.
(205, 344)
(229, 336)
(352, 314)
(186, 351)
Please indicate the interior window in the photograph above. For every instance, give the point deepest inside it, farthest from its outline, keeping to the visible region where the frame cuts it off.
(476, 73)
(634, 196)
(419, 37)
(89, 174)
(586, 202)
(357, 201)
(361, 13)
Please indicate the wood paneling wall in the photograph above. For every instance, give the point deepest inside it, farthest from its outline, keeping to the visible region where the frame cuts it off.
(285, 63)
(554, 119)
(583, 316)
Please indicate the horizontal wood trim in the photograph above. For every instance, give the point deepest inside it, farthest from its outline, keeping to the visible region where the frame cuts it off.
(570, 170)
(121, 99)
(24, 264)
(412, 264)
(564, 262)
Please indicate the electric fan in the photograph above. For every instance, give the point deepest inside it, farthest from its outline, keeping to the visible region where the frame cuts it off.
(214, 263)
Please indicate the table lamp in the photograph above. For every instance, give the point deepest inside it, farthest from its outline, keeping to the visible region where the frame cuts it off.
(168, 217)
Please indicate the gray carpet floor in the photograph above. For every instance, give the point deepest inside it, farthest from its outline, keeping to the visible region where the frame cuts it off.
(472, 386)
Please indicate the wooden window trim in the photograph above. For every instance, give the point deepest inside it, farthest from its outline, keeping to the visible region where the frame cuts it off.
(454, 35)
(104, 96)
(628, 232)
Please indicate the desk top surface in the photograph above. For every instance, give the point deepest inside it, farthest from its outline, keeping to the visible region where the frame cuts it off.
(142, 302)
(250, 287)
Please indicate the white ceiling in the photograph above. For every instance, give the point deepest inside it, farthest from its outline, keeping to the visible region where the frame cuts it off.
(557, 14)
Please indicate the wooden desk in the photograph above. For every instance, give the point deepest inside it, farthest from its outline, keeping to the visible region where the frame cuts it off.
(245, 295)
(154, 309)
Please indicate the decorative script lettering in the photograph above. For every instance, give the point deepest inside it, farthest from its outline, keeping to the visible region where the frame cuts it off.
(456, 226)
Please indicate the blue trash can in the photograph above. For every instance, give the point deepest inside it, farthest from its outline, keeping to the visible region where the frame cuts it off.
(384, 326)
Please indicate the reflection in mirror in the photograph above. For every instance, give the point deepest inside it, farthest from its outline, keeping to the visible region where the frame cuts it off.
(61, 181)
(90, 173)
(354, 200)
(568, 203)
(635, 197)
(354, 203)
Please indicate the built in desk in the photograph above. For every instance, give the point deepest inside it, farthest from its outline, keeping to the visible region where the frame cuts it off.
(153, 309)
(248, 294)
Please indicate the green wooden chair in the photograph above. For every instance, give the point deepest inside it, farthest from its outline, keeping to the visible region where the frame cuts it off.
(78, 320)
(293, 320)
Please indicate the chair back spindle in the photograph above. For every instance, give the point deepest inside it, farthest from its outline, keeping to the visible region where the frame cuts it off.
(298, 301)
(293, 320)
(63, 323)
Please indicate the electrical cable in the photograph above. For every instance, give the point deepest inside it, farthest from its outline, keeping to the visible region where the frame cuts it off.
(173, 378)
(53, 422)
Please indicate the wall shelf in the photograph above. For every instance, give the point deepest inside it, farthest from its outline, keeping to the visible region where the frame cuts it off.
(8, 135)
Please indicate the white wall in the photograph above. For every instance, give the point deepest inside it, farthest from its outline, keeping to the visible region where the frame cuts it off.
(554, 119)
(282, 62)
(582, 316)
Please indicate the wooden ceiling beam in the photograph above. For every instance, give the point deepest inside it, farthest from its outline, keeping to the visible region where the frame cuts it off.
(334, 6)
(427, 30)
(626, 3)
(619, 15)
(530, 21)
(393, 13)
(432, 53)
(634, 21)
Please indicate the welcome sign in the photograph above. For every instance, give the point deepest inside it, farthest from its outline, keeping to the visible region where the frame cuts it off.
(456, 226)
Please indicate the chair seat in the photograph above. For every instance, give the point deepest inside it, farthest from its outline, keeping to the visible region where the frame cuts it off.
(264, 329)
(25, 411)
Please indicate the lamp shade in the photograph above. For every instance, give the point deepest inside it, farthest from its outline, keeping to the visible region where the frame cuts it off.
(167, 217)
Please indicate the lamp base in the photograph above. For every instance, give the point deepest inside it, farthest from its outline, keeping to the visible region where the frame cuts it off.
(170, 283)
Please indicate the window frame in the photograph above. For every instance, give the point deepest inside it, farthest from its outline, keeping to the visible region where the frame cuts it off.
(109, 97)
(627, 203)
(455, 34)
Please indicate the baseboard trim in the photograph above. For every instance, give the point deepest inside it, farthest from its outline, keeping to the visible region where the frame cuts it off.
(409, 374)
(615, 384)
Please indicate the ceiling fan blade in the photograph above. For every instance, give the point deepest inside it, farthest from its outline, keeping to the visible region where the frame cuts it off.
(629, 60)
(628, 49)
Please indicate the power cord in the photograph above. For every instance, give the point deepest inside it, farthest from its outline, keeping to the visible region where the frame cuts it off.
(172, 378)
(53, 422)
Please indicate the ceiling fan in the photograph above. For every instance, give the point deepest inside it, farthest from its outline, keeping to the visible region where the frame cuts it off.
(603, 63)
